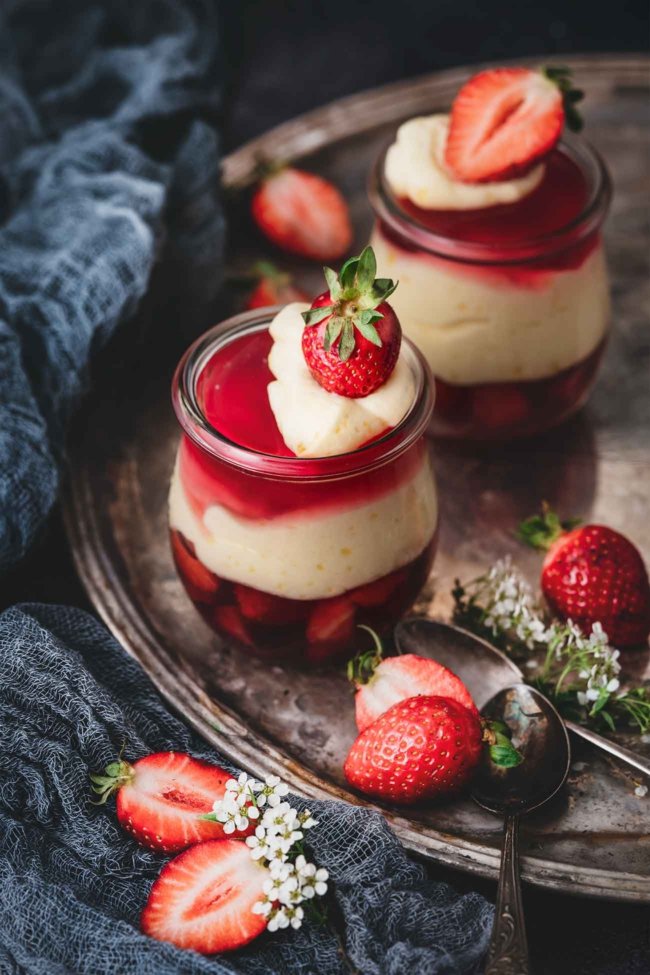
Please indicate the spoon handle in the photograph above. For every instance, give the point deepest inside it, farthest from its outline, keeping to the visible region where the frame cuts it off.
(625, 754)
(508, 951)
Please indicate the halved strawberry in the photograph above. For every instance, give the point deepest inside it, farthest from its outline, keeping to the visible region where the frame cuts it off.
(201, 584)
(274, 287)
(303, 213)
(229, 618)
(505, 120)
(161, 798)
(382, 682)
(499, 406)
(263, 607)
(203, 899)
(377, 592)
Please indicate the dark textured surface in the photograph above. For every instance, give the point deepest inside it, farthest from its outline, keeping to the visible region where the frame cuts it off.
(291, 57)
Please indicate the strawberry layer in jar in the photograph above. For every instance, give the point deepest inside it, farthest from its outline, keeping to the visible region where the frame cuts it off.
(503, 285)
(283, 554)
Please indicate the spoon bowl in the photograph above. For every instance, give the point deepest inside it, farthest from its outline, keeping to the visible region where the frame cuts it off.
(539, 735)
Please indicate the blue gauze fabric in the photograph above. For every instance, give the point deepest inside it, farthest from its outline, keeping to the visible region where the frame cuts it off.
(72, 883)
(107, 159)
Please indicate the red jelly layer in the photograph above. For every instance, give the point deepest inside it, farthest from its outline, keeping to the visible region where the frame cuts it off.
(559, 199)
(488, 411)
(309, 632)
(551, 208)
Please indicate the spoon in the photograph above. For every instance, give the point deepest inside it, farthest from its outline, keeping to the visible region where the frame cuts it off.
(539, 735)
(485, 670)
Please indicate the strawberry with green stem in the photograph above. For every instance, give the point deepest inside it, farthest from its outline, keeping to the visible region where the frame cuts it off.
(352, 336)
(592, 574)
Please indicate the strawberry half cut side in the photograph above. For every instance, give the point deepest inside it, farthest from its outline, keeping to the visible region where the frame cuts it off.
(505, 120)
(162, 797)
(382, 682)
(203, 899)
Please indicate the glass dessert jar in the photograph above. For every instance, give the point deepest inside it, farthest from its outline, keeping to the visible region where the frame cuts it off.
(285, 555)
(508, 303)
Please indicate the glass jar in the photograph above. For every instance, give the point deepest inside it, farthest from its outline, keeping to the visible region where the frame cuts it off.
(283, 555)
(509, 304)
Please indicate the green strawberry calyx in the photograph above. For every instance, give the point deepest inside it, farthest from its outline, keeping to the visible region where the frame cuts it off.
(497, 737)
(356, 294)
(540, 531)
(560, 75)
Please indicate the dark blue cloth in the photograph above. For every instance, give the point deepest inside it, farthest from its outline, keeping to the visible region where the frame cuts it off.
(72, 882)
(107, 156)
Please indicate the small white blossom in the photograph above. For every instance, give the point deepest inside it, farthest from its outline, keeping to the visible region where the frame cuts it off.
(272, 792)
(641, 791)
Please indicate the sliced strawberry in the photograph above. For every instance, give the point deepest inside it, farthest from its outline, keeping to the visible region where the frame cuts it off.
(201, 584)
(377, 592)
(274, 287)
(229, 618)
(263, 607)
(330, 628)
(303, 213)
(505, 120)
(203, 899)
(382, 682)
(161, 798)
(499, 406)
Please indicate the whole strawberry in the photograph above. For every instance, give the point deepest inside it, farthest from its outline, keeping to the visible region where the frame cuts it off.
(420, 748)
(302, 213)
(592, 574)
(352, 336)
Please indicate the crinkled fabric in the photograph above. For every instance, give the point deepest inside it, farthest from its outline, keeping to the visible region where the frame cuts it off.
(72, 883)
(108, 156)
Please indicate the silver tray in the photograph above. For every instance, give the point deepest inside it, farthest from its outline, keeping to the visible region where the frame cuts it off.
(595, 839)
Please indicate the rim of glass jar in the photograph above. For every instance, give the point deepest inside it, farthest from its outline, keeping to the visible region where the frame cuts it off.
(375, 454)
(387, 209)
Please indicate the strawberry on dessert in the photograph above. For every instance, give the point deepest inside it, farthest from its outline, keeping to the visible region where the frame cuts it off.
(490, 218)
(160, 798)
(504, 120)
(302, 502)
(382, 682)
(273, 287)
(203, 899)
(592, 574)
(302, 213)
(420, 748)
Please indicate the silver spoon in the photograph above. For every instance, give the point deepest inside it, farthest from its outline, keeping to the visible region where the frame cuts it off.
(539, 735)
(485, 670)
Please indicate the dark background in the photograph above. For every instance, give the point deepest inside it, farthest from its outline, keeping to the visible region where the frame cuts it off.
(283, 58)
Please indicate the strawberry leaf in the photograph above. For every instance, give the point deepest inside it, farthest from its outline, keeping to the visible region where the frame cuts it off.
(316, 315)
(369, 332)
(366, 270)
(332, 332)
(383, 289)
(348, 273)
(333, 285)
(505, 756)
(346, 344)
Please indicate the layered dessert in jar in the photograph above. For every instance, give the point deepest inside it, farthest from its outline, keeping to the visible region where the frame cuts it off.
(492, 224)
(302, 501)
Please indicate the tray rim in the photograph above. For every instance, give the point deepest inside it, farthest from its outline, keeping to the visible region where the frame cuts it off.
(219, 725)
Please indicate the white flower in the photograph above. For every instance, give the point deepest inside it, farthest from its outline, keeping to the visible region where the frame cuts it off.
(279, 919)
(272, 791)
(641, 791)
(306, 819)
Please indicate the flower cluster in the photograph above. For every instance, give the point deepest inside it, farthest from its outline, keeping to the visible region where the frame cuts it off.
(275, 842)
(581, 672)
